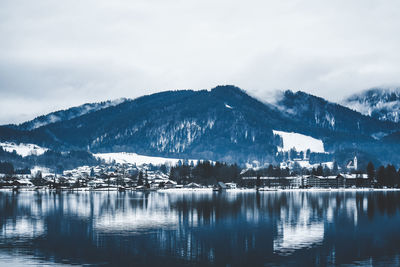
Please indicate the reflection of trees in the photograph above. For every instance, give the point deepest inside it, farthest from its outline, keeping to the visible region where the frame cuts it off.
(201, 227)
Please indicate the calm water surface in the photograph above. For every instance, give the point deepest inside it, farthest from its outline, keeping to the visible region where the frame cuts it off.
(200, 229)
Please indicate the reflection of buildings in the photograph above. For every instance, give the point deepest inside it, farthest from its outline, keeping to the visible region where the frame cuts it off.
(23, 227)
(298, 229)
(204, 228)
(298, 236)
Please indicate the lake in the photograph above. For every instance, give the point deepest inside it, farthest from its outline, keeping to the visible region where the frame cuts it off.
(294, 228)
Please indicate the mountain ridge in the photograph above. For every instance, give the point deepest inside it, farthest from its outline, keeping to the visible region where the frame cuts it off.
(65, 114)
(224, 123)
(380, 103)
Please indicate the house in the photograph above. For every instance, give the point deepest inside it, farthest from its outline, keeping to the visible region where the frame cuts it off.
(312, 181)
(220, 186)
(170, 184)
(23, 182)
(287, 182)
(231, 185)
(192, 185)
(324, 182)
(355, 180)
(95, 183)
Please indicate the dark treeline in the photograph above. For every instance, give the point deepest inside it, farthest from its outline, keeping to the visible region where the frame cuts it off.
(384, 176)
(58, 161)
(205, 172)
(8, 168)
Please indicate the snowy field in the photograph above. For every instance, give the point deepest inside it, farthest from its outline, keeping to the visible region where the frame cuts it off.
(300, 142)
(133, 158)
(23, 149)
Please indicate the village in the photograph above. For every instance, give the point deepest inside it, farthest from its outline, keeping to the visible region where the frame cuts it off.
(146, 177)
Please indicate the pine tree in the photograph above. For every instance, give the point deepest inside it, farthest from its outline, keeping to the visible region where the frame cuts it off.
(390, 176)
(335, 168)
(380, 176)
(258, 182)
(140, 178)
(320, 171)
(371, 171)
(146, 180)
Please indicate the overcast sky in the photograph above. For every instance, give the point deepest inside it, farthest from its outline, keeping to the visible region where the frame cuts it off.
(56, 54)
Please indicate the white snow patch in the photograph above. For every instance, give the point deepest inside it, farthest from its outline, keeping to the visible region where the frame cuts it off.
(306, 164)
(300, 142)
(44, 170)
(23, 149)
(227, 106)
(133, 158)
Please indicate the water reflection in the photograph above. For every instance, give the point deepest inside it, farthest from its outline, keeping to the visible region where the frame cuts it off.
(153, 229)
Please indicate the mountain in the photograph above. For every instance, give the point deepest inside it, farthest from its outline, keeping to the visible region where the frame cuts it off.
(224, 124)
(63, 115)
(379, 103)
(332, 119)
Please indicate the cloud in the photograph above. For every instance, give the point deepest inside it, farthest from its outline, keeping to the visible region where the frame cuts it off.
(55, 54)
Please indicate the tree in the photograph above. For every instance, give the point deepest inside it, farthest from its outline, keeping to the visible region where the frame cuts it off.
(292, 153)
(146, 180)
(320, 171)
(326, 171)
(296, 168)
(371, 171)
(258, 182)
(91, 172)
(38, 180)
(270, 171)
(6, 168)
(163, 168)
(308, 153)
(390, 176)
(335, 168)
(140, 178)
(380, 175)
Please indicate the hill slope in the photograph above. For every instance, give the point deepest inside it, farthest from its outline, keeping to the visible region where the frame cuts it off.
(63, 115)
(379, 103)
(222, 124)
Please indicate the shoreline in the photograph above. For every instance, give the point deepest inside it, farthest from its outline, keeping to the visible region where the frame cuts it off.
(199, 190)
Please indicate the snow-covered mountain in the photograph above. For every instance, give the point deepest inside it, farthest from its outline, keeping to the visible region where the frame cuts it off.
(313, 111)
(379, 103)
(224, 123)
(68, 114)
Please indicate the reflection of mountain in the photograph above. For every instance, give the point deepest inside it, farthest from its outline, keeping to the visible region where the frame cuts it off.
(180, 229)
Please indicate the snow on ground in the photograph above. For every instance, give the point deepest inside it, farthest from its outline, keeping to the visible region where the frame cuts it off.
(227, 106)
(45, 171)
(23, 149)
(133, 158)
(306, 164)
(300, 142)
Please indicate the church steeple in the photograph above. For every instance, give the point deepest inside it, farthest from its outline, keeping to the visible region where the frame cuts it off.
(355, 163)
